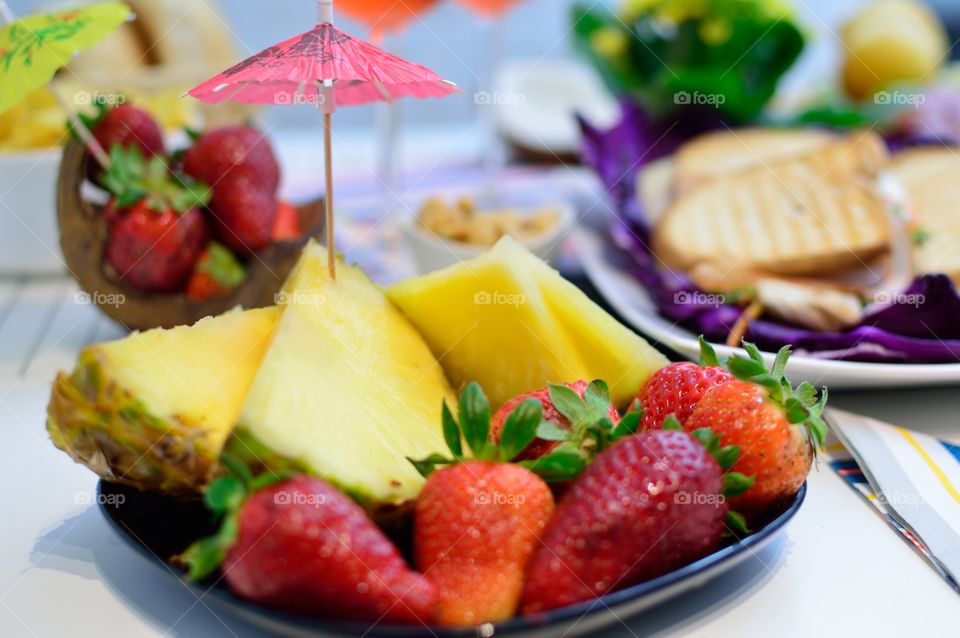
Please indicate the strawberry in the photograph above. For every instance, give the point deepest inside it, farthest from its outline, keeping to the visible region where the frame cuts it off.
(243, 214)
(568, 410)
(155, 250)
(156, 231)
(776, 427)
(676, 388)
(478, 520)
(286, 222)
(216, 274)
(237, 151)
(301, 546)
(649, 503)
(127, 126)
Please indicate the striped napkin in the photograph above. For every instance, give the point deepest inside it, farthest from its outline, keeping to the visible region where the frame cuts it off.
(911, 479)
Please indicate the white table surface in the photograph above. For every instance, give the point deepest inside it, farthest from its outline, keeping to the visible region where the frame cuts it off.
(838, 569)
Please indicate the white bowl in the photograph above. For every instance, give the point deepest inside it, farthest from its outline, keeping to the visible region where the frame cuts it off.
(537, 101)
(29, 240)
(433, 252)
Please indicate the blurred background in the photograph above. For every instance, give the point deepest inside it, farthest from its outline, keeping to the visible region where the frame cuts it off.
(525, 67)
(452, 41)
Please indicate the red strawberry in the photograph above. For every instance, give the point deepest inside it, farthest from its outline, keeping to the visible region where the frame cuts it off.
(676, 388)
(571, 406)
(155, 250)
(776, 428)
(478, 521)
(157, 232)
(304, 547)
(243, 214)
(127, 126)
(216, 274)
(237, 151)
(286, 222)
(477, 524)
(648, 504)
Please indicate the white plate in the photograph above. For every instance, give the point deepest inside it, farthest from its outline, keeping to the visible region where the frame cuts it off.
(628, 298)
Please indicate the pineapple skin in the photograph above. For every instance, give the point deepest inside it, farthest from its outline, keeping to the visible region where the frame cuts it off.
(166, 436)
(106, 428)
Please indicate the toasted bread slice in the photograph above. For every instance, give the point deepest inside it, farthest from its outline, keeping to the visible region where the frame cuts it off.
(724, 152)
(931, 178)
(813, 214)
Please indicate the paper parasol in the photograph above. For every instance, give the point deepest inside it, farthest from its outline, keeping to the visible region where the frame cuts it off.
(328, 68)
(33, 48)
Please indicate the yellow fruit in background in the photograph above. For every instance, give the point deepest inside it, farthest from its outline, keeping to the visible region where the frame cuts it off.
(510, 322)
(888, 42)
(348, 389)
(153, 409)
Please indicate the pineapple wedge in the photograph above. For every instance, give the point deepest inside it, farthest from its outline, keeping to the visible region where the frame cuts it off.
(347, 390)
(155, 408)
(510, 322)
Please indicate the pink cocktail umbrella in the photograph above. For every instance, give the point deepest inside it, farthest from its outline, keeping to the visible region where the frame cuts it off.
(326, 67)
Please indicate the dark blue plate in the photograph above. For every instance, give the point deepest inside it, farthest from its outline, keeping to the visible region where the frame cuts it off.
(158, 527)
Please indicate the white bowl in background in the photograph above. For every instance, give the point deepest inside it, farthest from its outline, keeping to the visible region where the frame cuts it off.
(433, 252)
(537, 102)
(29, 240)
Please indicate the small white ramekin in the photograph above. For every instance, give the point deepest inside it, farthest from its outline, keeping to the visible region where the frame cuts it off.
(433, 252)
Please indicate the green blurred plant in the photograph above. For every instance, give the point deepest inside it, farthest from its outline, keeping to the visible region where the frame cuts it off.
(673, 54)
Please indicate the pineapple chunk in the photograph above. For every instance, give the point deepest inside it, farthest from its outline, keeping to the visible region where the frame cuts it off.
(347, 390)
(155, 408)
(510, 322)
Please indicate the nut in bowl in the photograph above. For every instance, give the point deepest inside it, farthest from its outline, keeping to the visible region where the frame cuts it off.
(445, 233)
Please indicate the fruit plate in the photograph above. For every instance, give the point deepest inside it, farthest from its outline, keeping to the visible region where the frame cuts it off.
(157, 527)
(630, 300)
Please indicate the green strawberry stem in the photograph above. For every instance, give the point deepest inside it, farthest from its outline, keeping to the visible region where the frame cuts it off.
(604, 433)
(588, 415)
(523, 425)
(708, 356)
(131, 178)
(224, 497)
(800, 405)
(222, 266)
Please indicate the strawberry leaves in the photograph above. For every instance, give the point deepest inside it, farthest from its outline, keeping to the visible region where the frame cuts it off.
(473, 428)
(524, 424)
(800, 405)
(562, 464)
(581, 412)
(604, 433)
(224, 497)
(736, 523)
(132, 177)
(708, 356)
(734, 483)
(222, 266)
(451, 431)
(520, 428)
(475, 419)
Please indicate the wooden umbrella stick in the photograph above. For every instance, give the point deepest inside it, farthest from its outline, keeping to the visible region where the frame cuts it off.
(328, 197)
(81, 129)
